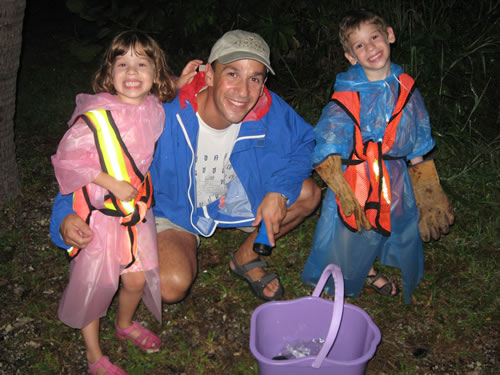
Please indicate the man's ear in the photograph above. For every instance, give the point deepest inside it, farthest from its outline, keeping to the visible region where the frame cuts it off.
(350, 58)
(209, 75)
(391, 37)
(263, 85)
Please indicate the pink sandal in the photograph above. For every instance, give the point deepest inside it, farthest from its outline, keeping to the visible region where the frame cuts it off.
(146, 340)
(104, 363)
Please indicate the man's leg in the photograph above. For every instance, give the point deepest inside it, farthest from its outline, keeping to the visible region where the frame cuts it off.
(308, 200)
(178, 266)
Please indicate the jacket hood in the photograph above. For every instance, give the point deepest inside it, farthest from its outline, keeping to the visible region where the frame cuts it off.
(188, 94)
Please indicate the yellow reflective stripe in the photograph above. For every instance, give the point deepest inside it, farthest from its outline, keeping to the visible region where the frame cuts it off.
(385, 190)
(112, 152)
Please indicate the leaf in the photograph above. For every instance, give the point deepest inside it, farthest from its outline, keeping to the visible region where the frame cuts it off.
(85, 52)
(75, 6)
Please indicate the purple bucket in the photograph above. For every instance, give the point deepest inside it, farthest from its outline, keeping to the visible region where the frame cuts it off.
(350, 336)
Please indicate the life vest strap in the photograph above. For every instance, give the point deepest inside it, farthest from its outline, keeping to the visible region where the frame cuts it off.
(373, 191)
(116, 161)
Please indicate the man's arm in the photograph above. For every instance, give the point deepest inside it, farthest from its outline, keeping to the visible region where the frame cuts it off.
(66, 227)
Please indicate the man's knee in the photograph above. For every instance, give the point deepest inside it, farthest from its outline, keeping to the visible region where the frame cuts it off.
(177, 256)
(175, 286)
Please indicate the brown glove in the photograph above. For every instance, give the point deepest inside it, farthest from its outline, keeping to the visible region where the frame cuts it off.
(330, 171)
(434, 208)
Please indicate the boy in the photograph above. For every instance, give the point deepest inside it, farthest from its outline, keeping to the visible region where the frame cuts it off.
(376, 121)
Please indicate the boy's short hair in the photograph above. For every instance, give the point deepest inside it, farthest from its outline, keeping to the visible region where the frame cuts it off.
(353, 19)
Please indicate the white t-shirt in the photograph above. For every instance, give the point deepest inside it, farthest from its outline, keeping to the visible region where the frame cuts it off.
(213, 170)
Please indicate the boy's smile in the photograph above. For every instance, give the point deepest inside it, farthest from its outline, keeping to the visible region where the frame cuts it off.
(370, 47)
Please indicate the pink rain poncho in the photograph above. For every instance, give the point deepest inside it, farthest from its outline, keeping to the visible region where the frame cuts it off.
(95, 271)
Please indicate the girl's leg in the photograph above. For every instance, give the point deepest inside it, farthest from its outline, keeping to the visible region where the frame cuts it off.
(98, 364)
(129, 297)
(91, 337)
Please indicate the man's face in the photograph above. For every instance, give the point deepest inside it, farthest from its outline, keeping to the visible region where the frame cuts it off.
(235, 88)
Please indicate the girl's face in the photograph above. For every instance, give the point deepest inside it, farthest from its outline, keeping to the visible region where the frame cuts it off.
(133, 77)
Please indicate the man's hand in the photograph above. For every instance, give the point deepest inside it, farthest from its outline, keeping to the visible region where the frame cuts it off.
(330, 170)
(434, 208)
(272, 211)
(75, 232)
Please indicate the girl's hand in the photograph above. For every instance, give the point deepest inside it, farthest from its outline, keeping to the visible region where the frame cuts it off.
(188, 73)
(123, 190)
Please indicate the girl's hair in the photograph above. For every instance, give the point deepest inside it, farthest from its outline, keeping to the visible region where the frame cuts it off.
(353, 19)
(143, 45)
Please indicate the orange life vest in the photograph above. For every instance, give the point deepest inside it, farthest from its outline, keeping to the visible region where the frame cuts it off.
(116, 161)
(372, 187)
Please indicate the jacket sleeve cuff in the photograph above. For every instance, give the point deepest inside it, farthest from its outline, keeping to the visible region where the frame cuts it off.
(62, 207)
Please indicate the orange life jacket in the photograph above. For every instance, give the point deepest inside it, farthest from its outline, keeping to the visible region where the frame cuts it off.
(116, 161)
(372, 189)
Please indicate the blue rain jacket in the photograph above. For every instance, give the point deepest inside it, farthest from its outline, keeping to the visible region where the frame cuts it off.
(272, 153)
(355, 252)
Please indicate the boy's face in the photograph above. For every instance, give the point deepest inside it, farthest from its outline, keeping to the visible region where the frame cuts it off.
(370, 47)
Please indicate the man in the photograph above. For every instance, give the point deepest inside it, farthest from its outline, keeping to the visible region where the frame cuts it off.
(232, 154)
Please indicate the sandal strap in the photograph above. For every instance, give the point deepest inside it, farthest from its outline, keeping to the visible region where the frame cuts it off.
(105, 363)
(256, 263)
(268, 277)
(257, 286)
(374, 278)
(146, 340)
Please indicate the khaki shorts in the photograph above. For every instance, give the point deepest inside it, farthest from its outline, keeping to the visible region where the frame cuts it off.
(163, 224)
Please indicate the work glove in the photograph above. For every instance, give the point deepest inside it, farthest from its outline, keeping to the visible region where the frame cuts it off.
(330, 170)
(434, 209)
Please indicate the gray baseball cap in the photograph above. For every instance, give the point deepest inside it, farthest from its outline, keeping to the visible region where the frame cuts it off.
(239, 44)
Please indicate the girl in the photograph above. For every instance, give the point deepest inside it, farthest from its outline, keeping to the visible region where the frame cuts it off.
(103, 159)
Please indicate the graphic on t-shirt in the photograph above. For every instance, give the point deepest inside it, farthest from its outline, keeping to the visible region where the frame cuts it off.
(213, 169)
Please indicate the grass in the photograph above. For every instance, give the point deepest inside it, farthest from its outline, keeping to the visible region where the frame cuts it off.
(451, 327)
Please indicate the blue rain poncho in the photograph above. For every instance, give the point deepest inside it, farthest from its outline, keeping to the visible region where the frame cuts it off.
(355, 252)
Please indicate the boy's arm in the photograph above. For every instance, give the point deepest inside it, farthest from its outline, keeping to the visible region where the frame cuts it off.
(434, 208)
(330, 170)
(66, 227)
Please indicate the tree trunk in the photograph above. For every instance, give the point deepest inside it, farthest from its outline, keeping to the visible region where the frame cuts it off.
(11, 25)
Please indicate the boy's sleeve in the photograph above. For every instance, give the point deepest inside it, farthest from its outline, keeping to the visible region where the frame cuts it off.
(333, 134)
(424, 142)
(62, 207)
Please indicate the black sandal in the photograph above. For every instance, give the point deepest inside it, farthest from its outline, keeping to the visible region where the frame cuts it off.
(257, 286)
(384, 290)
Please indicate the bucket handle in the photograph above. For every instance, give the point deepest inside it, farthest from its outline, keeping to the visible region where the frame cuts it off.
(338, 309)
